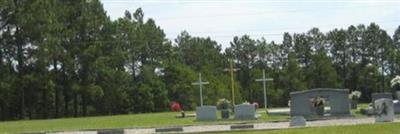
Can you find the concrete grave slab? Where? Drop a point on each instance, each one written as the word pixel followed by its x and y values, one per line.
pixel 140 131
pixel 297 121
pixel 75 132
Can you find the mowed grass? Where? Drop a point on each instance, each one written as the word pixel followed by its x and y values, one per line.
pixel 165 119
pixel 117 121
pixel 384 128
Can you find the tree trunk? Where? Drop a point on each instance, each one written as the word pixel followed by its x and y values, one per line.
pixel 84 105
pixel 383 77
pixel 65 91
pixel 45 107
pixel 344 69
pixel 75 105
pixel 56 89
pixel 20 61
pixel 1 59
pixel 2 115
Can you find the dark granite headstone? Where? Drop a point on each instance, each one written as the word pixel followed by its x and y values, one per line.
pixel 300 104
pixel 376 96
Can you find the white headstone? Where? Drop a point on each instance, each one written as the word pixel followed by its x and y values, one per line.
pixel 384 111
pixel 297 121
pixel 206 113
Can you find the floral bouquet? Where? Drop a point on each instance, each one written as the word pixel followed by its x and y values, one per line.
pixel 223 103
pixel 395 83
pixel 355 95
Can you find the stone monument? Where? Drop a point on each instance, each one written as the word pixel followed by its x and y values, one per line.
pixel 376 96
pixel 245 112
pixel 206 113
pixel 337 99
pixel 384 111
pixel 396 105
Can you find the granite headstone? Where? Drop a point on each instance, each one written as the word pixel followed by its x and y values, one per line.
pixel 338 100
pixel 376 96
pixel 396 105
pixel 384 111
pixel 206 113
pixel 245 112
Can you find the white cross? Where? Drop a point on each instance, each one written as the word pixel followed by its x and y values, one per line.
pixel 264 80
pixel 200 83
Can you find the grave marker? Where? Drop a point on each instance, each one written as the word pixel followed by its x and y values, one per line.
pixel 200 83
pixel 231 70
pixel 264 80
pixel 384 111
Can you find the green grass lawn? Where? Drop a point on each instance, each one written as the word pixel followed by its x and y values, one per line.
pixel 385 128
pixel 164 119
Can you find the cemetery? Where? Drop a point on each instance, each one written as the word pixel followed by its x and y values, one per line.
pixel 310 108
pixel 328 107
pixel 199 66
pixel 314 107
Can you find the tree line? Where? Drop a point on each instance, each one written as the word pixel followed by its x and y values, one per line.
pixel 67 58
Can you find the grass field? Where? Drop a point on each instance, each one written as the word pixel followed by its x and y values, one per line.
pixel 386 128
pixel 164 119
pixel 118 121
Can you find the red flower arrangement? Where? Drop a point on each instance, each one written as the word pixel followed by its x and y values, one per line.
pixel 175 106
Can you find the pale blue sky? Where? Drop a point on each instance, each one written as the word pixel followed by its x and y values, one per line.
pixel 223 19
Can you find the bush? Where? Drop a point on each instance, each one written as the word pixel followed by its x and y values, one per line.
pixel 223 103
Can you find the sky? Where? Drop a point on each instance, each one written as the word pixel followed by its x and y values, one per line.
pixel 221 20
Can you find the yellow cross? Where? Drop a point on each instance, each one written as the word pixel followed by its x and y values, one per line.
pixel 231 70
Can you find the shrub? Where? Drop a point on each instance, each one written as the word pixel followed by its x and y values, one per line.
pixel 223 103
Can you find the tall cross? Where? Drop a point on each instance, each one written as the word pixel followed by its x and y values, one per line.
pixel 231 70
pixel 200 83
pixel 264 80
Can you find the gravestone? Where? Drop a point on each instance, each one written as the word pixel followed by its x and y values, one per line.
pixel 396 105
pixel 337 99
pixel 376 96
pixel 297 121
pixel 384 111
pixel 206 113
pixel 245 112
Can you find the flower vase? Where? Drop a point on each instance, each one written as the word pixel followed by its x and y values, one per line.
pixel 225 113
pixel 353 104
